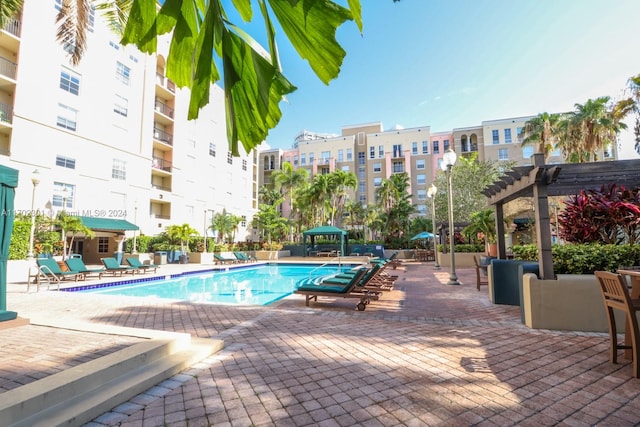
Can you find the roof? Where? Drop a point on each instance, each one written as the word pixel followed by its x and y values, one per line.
pixel 325 230
pixel 108 224
pixel 8 177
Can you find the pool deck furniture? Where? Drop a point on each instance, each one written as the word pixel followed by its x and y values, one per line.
pixel 225 259
pixel 50 268
pixel 616 297
pixel 76 264
pixel 113 267
pixel 349 289
pixel 136 263
pixel 482 278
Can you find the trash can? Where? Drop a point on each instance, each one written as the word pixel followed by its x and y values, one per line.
pixel 160 257
pixel 183 259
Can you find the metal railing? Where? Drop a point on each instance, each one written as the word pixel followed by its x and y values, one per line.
pixel 163 108
pixel 162 136
pixel 8 68
pixel 162 164
pixel 6 113
pixel 13 26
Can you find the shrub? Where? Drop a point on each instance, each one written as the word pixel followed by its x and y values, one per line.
pixel 19 245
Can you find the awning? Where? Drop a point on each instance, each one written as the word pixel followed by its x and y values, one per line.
pixel 107 224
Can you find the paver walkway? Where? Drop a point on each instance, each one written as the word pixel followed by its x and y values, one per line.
pixel 426 354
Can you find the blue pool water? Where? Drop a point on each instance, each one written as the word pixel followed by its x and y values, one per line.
pixel 256 285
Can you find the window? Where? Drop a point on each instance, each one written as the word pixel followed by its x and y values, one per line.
pixel 397 150
pixel 69 81
pixel 398 167
pixel 326 157
pixel 295 160
pixel 349 154
pixel 58 4
pixel 440 162
pixel 63 194
pixel 503 154
pixel 495 135
pixel 103 245
pixel 244 164
pixel 361 159
pixel 212 149
pixel 381 151
pixel 121 105
pixel 65 162
pixel 422 209
pixel 446 144
pixel 507 136
pixel 425 147
pixel 420 164
pixel 303 159
pixel 123 73
pixel 422 194
pixel 377 167
pixel 345 168
pixel 92 18
pixel 114 45
pixel 229 158
pixel 436 147
pixel 119 170
pixel 414 148
pixel 527 152
pixel 361 187
pixel 377 182
pixel 372 152
pixel 421 179
pixel 243 221
pixel 341 155
pixel 311 157
pixel 67 117
pixel 361 174
pixel 519 135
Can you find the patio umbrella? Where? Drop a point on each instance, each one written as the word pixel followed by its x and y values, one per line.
pixel 423 235
pixel 8 183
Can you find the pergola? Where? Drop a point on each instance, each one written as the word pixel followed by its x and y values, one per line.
pixel 540 181
pixel 326 230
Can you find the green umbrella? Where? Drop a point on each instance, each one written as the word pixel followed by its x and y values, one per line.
pixel 8 183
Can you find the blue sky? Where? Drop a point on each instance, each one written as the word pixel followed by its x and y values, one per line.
pixel 455 63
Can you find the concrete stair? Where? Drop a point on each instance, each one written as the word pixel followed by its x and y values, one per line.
pixel 84 392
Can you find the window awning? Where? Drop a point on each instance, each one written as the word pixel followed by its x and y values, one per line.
pixel 107 224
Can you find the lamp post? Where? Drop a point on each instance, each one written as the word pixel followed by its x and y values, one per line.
pixel 35 180
pixel 205 231
pixel 65 195
pixel 431 192
pixel 135 232
pixel 449 159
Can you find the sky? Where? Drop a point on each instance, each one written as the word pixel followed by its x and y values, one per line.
pixel 455 63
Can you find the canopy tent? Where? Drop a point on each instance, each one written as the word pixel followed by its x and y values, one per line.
pixel 423 235
pixel 326 230
pixel 8 184
pixel 107 224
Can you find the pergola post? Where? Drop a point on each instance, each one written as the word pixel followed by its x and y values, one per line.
pixel 543 223
pixel 502 249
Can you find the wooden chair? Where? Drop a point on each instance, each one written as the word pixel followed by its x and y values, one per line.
pixel 482 279
pixel 616 297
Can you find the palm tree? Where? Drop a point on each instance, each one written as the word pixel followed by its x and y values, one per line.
pixel 225 224
pixel 339 182
pixel 183 233
pixel 287 180
pixel 317 198
pixel 631 105
pixel 70 224
pixel 541 131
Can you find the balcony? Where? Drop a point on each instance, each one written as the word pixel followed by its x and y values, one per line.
pixel 162 136
pixel 163 113
pixel 161 164
pixel 165 86
pixel 11 30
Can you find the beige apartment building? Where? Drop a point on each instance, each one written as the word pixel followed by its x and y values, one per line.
pixel 110 137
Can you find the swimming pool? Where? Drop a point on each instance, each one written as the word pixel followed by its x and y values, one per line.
pixel 255 285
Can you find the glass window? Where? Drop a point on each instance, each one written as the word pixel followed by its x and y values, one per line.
pixel 123 73
pixel 349 154
pixel 346 168
pixel 361 187
pixel 503 154
pixel 527 152
pixel 121 105
pixel 119 170
pixel 212 149
pixel 422 209
pixel 436 147
pixel 103 245
pixel 495 135
pixel 361 159
pixel 440 162
pixel 372 152
pixel 341 155
pixel 425 147
pixel 326 157
pixel 422 194
pixel 397 150
pixel 229 158
pixel 414 148
pixel 446 144
pixel 69 81
pixel 507 136
pixel 377 167
pixel 398 167
pixel 63 193
pixel 303 159
pixel 420 164
pixel 67 117
pixel 244 164
pixel 381 151
pixel 377 182
pixel 421 179
pixel 295 160
pixel 519 134
pixel 65 162
pixel 311 157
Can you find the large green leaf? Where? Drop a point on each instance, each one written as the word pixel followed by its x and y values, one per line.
pixel 141 26
pixel 311 27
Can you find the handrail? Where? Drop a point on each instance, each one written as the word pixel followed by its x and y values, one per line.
pixel 42 269
pixel 339 258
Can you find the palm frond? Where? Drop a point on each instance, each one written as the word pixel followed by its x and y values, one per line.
pixel 73 24
pixel 115 13
pixel 9 9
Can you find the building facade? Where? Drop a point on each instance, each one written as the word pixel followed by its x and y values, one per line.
pixel 110 137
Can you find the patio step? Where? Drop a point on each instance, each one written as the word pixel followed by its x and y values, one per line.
pixel 80 394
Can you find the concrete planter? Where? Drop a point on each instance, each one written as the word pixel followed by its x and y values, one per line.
pixel 463 259
pixel 201 258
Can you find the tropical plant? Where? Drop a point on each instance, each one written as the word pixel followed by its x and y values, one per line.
pixel 631 105
pixel 269 222
pixel 395 200
pixel 339 182
pixel 225 224
pixel 484 222
pixel 287 180
pixel 183 233
pixel 71 224
pixel 541 131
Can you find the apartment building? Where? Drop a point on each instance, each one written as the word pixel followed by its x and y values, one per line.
pixel 374 154
pixel 110 137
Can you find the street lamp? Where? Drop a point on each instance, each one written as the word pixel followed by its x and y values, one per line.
pixel 431 192
pixel 205 231
pixel 449 159
pixel 135 232
pixel 65 194
pixel 35 180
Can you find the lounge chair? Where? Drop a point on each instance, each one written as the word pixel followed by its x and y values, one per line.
pixel 136 263
pixel 50 268
pixel 243 257
pixel 112 266
pixel 371 280
pixel 225 259
pixel 313 289
pixel 76 264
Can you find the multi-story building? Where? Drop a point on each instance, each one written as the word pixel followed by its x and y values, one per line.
pixel 374 154
pixel 110 137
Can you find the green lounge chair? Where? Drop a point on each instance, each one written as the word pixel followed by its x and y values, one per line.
pixel 76 264
pixel 49 267
pixel 243 257
pixel 312 290
pixel 112 266
pixel 136 263
pixel 225 260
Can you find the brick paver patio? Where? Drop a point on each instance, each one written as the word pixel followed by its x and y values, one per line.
pixel 425 354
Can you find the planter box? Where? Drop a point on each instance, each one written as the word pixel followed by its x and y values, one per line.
pixel 572 302
pixel 463 259
pixel 201 258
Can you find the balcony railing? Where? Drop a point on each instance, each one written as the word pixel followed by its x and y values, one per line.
pixel 6 113
pixel 165 82
pixel 8 68
pixel 160 216
pixel 161 164
pixel 13 26
pixel 161 187
pixel 163 108
pixel 163 136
